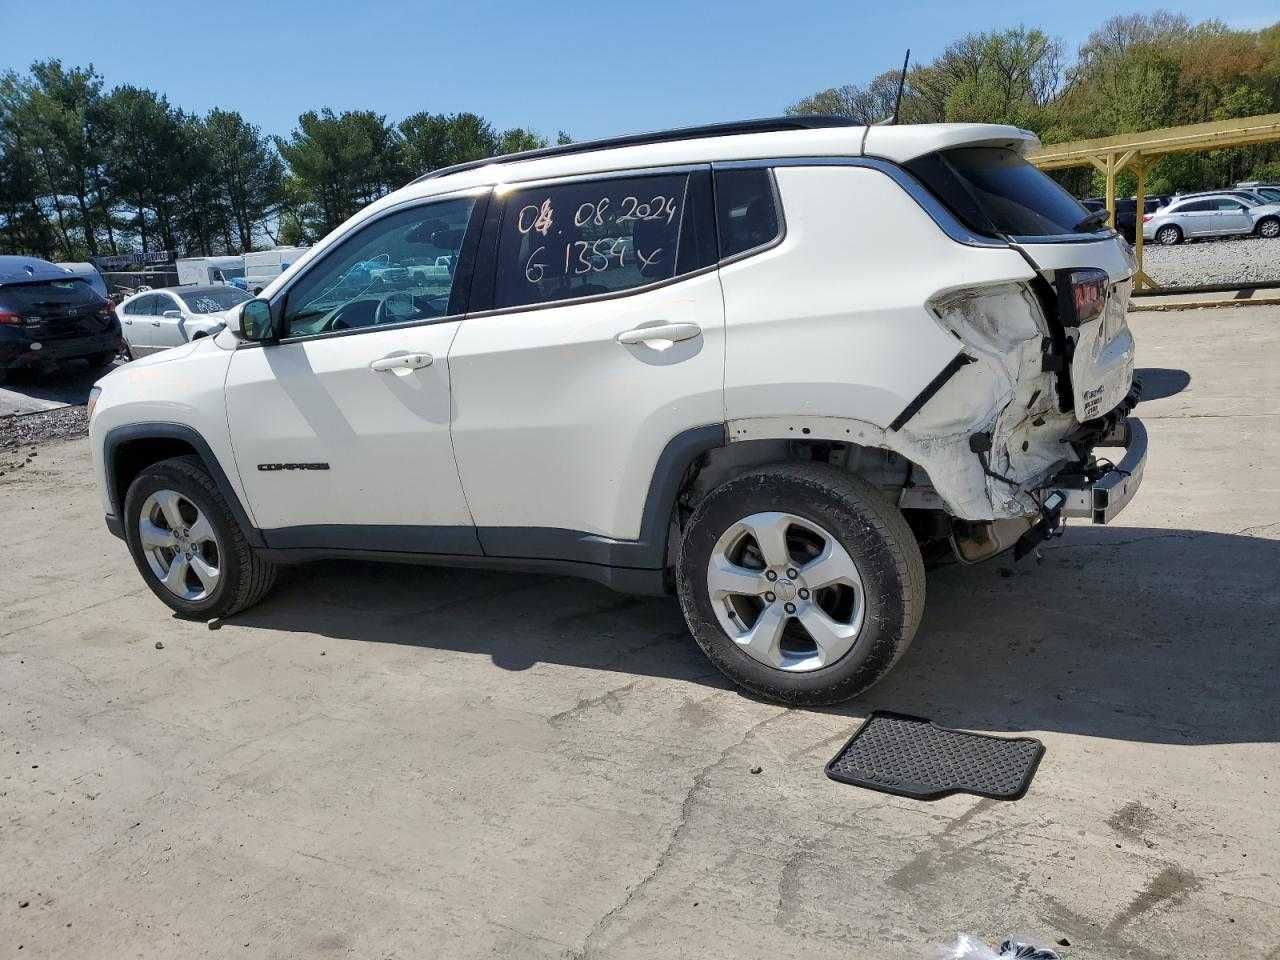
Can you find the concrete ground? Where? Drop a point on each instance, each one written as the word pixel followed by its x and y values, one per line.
pixel 413 762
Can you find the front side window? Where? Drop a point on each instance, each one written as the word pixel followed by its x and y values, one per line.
pixel 583 239
pixel 746 210
pixel 143 306
pixel 398 269
pixel 1229 206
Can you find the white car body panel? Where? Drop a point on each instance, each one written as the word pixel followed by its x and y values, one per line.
pixel 179 386
pixel 383 434
pixel 556 424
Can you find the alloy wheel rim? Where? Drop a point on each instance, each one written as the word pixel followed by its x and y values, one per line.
pixel 180 546
pixel 786 592
pixel 1168 235
pixel 1271 228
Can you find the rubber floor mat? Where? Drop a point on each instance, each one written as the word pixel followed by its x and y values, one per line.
pixel 914 757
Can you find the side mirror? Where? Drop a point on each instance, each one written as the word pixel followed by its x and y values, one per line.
pixel 255 321
pixel 173 314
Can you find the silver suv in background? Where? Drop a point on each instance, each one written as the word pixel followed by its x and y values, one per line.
pixel 1212 215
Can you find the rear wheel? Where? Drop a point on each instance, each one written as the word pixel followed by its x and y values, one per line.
pixel 187 545
pixel 800 583
pixel 1169 235
pixel 1268 227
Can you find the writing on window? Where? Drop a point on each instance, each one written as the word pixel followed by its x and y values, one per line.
pixel 589 238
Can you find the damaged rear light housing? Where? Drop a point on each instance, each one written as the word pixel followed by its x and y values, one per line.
pixel 1082 295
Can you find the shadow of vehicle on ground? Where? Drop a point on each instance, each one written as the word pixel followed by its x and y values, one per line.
pixel 66 383
pixel 1163 636
pixel 1161 382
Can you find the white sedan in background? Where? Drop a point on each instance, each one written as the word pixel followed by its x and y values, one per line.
pixel 155 320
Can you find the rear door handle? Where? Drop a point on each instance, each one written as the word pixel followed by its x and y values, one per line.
pixel 155 323
pixel 401 361
pixel 673 332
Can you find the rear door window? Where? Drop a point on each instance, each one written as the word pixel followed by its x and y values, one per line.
pixel 746 211
pixel 592 237
pixel 995 192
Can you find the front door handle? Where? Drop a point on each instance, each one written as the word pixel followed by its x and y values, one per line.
pixel 671 332
pixel 401 361
pixel 155 323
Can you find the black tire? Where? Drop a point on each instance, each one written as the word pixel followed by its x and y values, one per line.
pixel 246 577
pixel 1268 227
pixel 873 532
pixel 1169 235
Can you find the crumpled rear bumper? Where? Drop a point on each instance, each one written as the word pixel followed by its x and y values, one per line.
pixel 1100 499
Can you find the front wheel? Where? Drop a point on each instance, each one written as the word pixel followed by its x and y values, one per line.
pixel 186 544
pixel 1268 227
pixel 801 583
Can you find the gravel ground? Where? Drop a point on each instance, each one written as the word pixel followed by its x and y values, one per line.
pixel 21 435
pixel 1243 260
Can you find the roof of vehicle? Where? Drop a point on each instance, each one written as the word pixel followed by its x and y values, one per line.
pixel 16 269
pixel 780 137
pixel 188 288
pixel 746 140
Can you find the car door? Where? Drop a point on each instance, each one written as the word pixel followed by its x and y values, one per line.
pixel 596 342
pixel 1196 218
pixel 135 323
pixel 1233 217
pixel 166 324
pixel 341 429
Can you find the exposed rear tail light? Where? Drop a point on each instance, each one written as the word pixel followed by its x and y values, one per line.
pixel 1147 216
pixel 12 319
pixel 1082 295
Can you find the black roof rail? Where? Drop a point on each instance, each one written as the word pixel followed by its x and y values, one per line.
pixel 812 121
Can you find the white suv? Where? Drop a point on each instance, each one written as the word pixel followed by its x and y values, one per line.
pixel 772 367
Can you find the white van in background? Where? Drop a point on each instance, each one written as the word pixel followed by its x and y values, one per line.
pixel 263 266
pixel 204 271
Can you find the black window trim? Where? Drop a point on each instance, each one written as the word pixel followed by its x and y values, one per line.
pixel 463 273
pixel 487 259
pixel 777 208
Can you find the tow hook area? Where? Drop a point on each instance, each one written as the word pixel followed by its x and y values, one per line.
pixel 1101 490
pixel 974 541
pixel 1049 524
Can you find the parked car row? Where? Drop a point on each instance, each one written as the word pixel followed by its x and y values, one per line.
pixel 1247 209
pixel 51 313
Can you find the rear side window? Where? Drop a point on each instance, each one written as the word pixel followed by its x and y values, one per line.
pixel 746 210
pixel 995 191
pixel 33 297
pixel 587 238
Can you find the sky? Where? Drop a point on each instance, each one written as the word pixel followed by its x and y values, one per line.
pixel 593 68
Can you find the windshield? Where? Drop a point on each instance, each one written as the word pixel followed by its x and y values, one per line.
pixel 72 292
pixel 211 301
pixel 995 191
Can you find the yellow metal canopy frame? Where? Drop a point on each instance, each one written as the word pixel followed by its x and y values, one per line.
pixel 1138 151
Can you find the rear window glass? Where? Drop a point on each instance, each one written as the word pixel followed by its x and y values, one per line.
pixel 211 301
pixel 72 292
pixel 995 191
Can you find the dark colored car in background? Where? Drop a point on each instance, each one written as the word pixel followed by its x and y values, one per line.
pixel 47 315
pixel 1127 211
